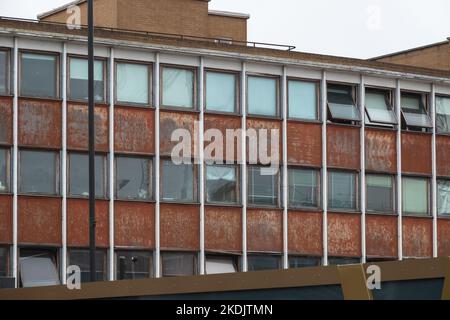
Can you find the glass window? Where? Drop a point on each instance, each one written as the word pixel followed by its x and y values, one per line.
pixel 263 262
pixel 415 196
pixel 38 268
pixel 296 262
pixel 133 178
pixel 4 170
pixel 220 265
pixel 133 265
pixel 178 182
pixel 178 87
pixel 380 193
pixel 78 79
pixel 81 258
pixel 414 110
pixel 221 184
pixel 38 172
pixel 341 103
pixel 38 75
pixel 4 72
pixel 262 96
pixel 379 108
pixel 339 261
pixel 178 264
pixel 302 100
pixel 221 91
pixel 443 115
pixel 4 262
pixel 303 188
pixel 79 175
pixel 444 197
pixel 263 189
pixel 342 190
pixel 132 83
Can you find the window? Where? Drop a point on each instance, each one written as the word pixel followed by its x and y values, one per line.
pixel 133 178
pixel 303 188
pixel 220 265
pixel 341 103
pixel 4 262
pixel 340 261
pixel 178 264
pixel 263 262
pixel 38 75
pixel 444 198
pixel 132 265
pixel 443 115
pixel 263 187
pixel 81 258
pixel 79 175
pixel 133 83
pixel 4 170
pixel 262 96
pixel 78 79
pixel 221 92
pixel 178 87
pixel 380 193
pixel 342 190
pixel 415 196
pixel 38 268
pixel 178 182
pixel 379 107
pixel 414 110
pixel 296 262
pixel 221 184
pixel 303 100
pixel 4 72
pixel 38 172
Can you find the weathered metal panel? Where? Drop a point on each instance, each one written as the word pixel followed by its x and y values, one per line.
pixel 304 142
pixel 6 223
pixel 40 123
pixel 381 236
pixel 443 155
pixel 134 224
pixel 416 153
pixel 171 121
pixel 134 130
pixel 344 234
pixel 180 227
pixel 305 233
pixel 343 147
pixel 264 230
pixel 223 229
pixel 6 121
pixel 269 125
pixel 39 221
pixel 417 237
pixel 444 237
pixel 78 223
pixel 78 130
pixel 381 150
pixel 223 123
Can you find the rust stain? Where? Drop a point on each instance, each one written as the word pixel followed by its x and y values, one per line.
pixel 6 121
pixel 417 237
pixel 6 223
pixel 264 230
pixel 444 238
pixel 223 229
pixel 224 123
pixel 261 124
pixel 381 236
pixel 343 147
pixel 304 143
pixel 381 150
pixel 344 234
pixel 305 233
pixel 171 121
pixel 443 155
pixel 416 153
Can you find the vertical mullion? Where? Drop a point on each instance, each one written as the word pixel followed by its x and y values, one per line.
pixel 434 193
pixel 324 167
pixel 64 166
pixel 244 164
pixel 202 167
pixel 284 90
pixel 111 165
pixel 157 163
pixel 15 158
pixel 362 104
pixel 399 171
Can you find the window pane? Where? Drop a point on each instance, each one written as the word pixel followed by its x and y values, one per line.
pixel 38 269
pixel 78 86
pixel 262 189
pixel 4 183
pixel 342 190
pixel 220 265
pixel 260 262
pixel 3 72
pixel 178 182
pixel 178 264
pixel 304 262
pixel 302 100
pixel 262 96
pixel 444 197
pixel 303 189
pixel 380 193
pixel 38 172
pixel 79 175
pixel 443 115
pixel 341 104
pixel 81 258
pixel 132 83
pixel 334 261
pixel 415 196
pixel 38 75
pixel 133 178
pixel 379 108
pixel 134 265
pixel 4 261
pixel 178 88
pixel 414 111
pixel 221 185
pixel 221 92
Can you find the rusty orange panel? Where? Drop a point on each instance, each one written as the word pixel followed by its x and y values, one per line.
pixel 305 233
pixel 171 121
pixel 40 123
pixel 382 236
pixel 134 130
pixel 417 237
pixel 6 121
pixel 180 227
pixel 134 224
pixel 443 155
pixel 224 123
pixel 304 143
pixel 444 238
pixel 78 131
pixel 39 221
pixel 223 229
pixel 416 153
pixel 269 125
pixel 6 223
pixel 344 234
pixel 264 230
pixel 343 147
pixel 78 223
pixel 381 150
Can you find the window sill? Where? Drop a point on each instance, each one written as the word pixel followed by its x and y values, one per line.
pixel 306 209
pixel 133 106
pixel 6 95
pixel 40 98
pixel 86 198
pixel 135 200
pixel 388 214
pixel 415 215
pixel 305 121
pixel 263 117
pixel 221 113
pixel 39 195
pixel 337 124
pixel 6 193
pixel 224 205
pixel 85 102
pixel 180 203
pixel 349 211
pixel 255 206
pixel 193 110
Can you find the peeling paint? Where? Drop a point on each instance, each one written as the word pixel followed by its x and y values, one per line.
pixel 6 214
pixel 443 155
pixel 223 229
pixel 264 230
pixel 381 150
pixel 381 236
pixel 305 233
pixel 6 122
pixel 416 153
pixel 180 227
pixel 304 144
pixel 344 234
pixel 417 237
pixel 343 147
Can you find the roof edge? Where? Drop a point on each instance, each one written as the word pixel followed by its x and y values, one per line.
pixel 59 9
pixel 229 14
pixel 410 50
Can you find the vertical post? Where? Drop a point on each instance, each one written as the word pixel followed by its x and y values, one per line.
pixel 157 169
pixel 64 166
pixel 15 158
pixel 398 106
pixel 111 164
pixel 285 189
pixel 434 191
pixel 323 91
pixel 362 106
pixel 202 167
pixel 244 165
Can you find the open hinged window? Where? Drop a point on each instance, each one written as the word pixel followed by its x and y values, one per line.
pixel 220 264
pixel 341 103
pixel 379 109
pixel 414 111
pixel 38 268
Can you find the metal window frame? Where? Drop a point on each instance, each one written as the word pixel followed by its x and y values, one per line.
pixel 98 250
pixel 237 185
pixel 424 97
pixel 388 96
pixel 447 214
pixel 356 174
pixel 318 187
pixel 429 213
pixel 307 256
pixel 8 259
pixel 278 79
pixel 393 191
pixel 277 188
pixel 52 251
pixel 279 257
pixel 234 259
pixel 237 105
pixel 8 169
pixel 438 132
pixel 7 70
pixel 195 94
pixel 195 262
pixel 117 252
pixel 354 96
pixel 287 93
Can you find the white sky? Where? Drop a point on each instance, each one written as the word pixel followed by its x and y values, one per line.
pixel 353 28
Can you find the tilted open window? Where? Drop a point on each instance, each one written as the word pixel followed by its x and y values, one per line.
pixel 220 264
pixel 341 103
pixel 38 268
pixel 414 111
pixel 379 108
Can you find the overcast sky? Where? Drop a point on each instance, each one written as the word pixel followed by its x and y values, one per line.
pixel 353 28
